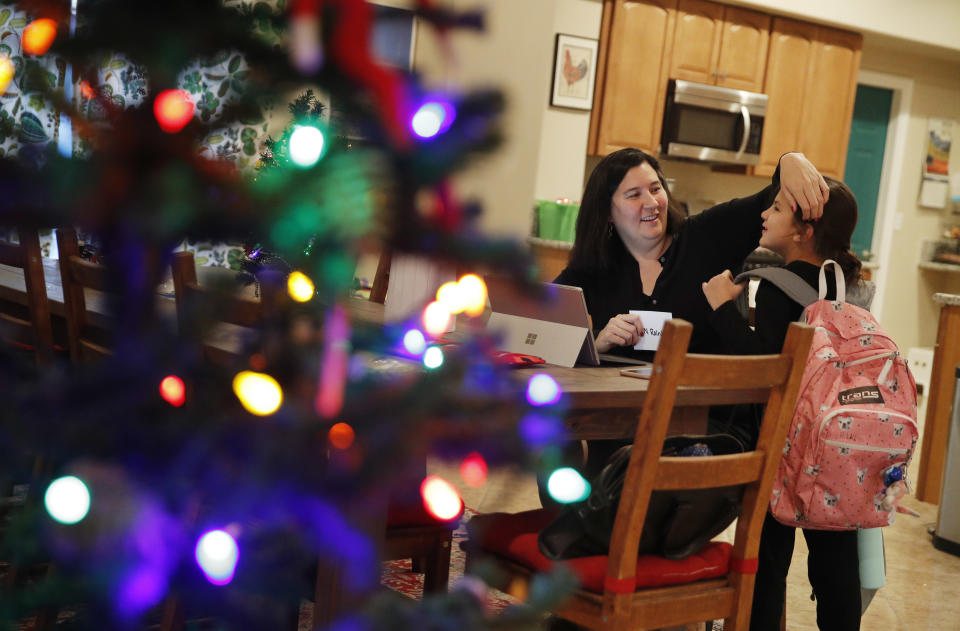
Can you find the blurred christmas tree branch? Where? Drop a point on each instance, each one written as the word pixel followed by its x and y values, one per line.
pixel 161 473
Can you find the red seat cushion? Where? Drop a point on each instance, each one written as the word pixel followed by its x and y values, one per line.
pixel 514 536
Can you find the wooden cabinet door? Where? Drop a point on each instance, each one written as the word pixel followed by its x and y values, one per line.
pixel 743 49
pixel 831 88
pixel 791 48
pixel 696 47
pixel 628 111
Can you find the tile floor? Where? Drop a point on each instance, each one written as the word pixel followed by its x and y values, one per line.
pixel 923 584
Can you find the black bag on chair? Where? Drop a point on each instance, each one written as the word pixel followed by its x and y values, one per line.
pixel 678 523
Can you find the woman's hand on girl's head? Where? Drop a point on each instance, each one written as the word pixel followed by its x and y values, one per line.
pixel 624 329
pixel 803 185
pixel 721 289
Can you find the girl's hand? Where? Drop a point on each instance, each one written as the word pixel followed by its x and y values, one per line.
pixel 721 289
pixel 803 185
pixel 624 329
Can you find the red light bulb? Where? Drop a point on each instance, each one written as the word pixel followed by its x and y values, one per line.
pixel 173 109
pixel 173 391
pixel 473 470
pixel 341 435
pixel 441 499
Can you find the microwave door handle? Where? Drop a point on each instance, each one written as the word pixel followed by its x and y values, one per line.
pixel 746 130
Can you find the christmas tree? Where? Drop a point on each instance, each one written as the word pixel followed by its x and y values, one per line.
pixel 154 474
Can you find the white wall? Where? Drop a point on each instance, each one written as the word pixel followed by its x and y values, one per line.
pixel 909 313
pixel 930 22
pixel 514 53
pixel 564 131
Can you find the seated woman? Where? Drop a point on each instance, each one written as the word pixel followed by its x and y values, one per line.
pixel 635 251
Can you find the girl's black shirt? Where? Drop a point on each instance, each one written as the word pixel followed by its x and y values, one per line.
pixel 773 314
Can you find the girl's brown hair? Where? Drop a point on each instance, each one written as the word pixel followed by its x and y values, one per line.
pixel 831 234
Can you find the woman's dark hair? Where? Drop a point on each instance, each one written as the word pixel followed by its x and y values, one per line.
pixel 594 245
pixel 831 234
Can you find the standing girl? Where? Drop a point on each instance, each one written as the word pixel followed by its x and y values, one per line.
pixel 833 565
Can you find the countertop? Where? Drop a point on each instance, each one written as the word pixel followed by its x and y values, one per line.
pixel 947 299
pixel 550 243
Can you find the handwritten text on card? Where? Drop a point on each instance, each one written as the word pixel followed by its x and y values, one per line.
pixel 653 322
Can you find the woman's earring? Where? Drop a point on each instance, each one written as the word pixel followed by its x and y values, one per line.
pixel 610 230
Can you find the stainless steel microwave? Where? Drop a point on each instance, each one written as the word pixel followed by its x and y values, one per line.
pixel 714 124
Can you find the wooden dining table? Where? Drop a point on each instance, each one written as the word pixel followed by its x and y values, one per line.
pixel 603 404
pixel 600 403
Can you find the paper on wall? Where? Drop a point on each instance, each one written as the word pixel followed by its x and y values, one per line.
pixel 936 169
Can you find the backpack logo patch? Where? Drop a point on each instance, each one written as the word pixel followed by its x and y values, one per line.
pixel 866 394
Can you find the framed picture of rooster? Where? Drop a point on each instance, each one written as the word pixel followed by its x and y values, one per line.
pixel 574 71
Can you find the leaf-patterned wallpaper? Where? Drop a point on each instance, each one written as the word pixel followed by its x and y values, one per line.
pixel 27 120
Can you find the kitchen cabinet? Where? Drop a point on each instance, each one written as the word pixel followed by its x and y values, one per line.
pixel 720 45
pixel 811 83
pixel 635 39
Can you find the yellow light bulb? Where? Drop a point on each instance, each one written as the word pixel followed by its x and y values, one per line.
pixel 38 36
pixel 300 287
pixel 436 319
pixel 7 70
pixel 259 393
pixel 451 297
pixel 473 292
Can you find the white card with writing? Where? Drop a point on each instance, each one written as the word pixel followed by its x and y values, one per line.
pixel 653 322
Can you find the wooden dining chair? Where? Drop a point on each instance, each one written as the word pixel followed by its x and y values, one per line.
pixel 381 278
pixel 28 327
pixel 88 333
pixel 222 305
pixel 410 532
pixel 622 590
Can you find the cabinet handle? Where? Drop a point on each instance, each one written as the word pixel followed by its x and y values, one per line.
pixel 746 129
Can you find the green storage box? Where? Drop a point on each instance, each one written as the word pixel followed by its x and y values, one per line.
pixel 556 221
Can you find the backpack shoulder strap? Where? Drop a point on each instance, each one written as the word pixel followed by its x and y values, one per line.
pixel 789 283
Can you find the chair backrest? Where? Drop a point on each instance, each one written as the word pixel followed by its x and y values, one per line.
pixel 381 279
pixel 86 336
pixel 770 379
pixel 220 306
pixel 33 326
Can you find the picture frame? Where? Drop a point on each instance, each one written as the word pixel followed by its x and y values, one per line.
pixel 574 72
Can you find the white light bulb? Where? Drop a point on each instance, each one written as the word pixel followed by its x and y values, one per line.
pixel 306 145
pixel 67 499
pixel 433 357
pixel 566 485
pixel 217 554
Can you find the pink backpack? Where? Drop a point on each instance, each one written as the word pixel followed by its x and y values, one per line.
pixel 855 420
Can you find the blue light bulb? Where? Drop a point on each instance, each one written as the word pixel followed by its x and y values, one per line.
pixel 432 118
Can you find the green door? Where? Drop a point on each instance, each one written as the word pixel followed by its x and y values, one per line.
pixel 868 133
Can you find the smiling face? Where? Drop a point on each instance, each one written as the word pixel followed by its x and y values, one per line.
pixel 780 231
pixel 638 208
